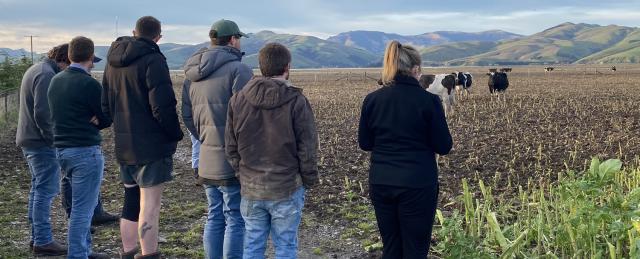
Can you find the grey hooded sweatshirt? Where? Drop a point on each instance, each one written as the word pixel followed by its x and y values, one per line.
pixel 213 75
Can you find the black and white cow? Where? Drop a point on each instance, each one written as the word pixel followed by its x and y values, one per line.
pixel 443 86
pixel 548 69
pixel 464 83
pixel 506 69
pixel 498 82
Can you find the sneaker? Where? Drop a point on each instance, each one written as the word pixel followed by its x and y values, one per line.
pixel 104 218
pixel 52 249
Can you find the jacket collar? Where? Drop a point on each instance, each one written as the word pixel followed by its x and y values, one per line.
pixel 52 64
pixel 405 80
pixel 77 69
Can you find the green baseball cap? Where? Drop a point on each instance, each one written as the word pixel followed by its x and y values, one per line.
pixel 227 28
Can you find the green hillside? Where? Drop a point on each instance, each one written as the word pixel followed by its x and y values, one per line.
pixel 565 43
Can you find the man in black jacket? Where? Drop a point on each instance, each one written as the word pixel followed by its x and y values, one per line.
pixel 139 97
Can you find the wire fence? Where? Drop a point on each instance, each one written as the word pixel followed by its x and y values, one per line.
pixel 9 105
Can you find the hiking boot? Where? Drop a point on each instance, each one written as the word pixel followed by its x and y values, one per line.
pixel 98 256
pixel 155 255
pixel 104 218
pixel 128 255
pixel 52 249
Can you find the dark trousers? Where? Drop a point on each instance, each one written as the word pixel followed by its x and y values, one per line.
pixel 405 219
pixel 66 197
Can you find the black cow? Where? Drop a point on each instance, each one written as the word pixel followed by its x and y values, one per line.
pixel 498 82
pixel 506 69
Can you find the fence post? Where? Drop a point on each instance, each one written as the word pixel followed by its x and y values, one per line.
pixel 6 109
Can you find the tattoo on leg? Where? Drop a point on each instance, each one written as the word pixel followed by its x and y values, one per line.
pixel 145 227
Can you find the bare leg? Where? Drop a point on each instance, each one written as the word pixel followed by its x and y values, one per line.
pixel 148 227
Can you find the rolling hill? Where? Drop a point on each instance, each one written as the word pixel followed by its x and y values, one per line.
pixel 375 41
pixel 563 44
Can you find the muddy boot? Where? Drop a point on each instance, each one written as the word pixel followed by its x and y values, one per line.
pixel 128 255
pixel 155 255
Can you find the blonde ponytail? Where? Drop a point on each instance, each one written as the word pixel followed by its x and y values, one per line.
pixel 398 59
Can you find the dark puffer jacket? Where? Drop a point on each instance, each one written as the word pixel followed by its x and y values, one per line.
pixel 138 96
pixel 271 139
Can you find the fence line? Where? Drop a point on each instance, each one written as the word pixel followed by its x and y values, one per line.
pixel 9 104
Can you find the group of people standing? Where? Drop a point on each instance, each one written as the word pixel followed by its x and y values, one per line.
pixel 255 144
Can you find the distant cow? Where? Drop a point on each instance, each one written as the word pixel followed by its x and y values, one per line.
pixel 464 83
pixel 548 69
pixel 506 69
pixel 498 82
pixel 441 85
pixel 493 70
pixel 613 68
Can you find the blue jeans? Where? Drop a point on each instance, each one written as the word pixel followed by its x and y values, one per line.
pixel 280 218
pixel 195 151
pixel 45 174
pixel 65 186
pixel 84 166
pixel 224 230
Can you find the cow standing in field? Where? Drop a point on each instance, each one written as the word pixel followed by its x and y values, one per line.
pixel 506 69
pixel 443 86
pixel 463 84
pixel 548 69
pixel 614 69
pixel 498 82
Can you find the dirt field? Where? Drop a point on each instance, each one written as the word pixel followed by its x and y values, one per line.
pixel 549 122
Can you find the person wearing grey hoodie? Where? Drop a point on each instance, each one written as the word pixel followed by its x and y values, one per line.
pixel 213 75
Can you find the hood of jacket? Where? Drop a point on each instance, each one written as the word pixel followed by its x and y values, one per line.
pixel 126 50
pixel 207 60
pixel 268 93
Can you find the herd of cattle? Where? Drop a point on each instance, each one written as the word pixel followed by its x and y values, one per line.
pixel 447 86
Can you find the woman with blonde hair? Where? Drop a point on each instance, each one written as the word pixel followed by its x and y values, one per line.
pixel 404 128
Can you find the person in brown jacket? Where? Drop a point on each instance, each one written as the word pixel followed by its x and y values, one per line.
pixel 272 143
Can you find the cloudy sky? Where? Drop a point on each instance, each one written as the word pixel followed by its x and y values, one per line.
pixel 184 21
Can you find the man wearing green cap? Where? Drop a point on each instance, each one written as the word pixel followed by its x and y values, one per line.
pixel 213 75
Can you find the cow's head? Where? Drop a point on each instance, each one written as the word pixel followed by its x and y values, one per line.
pixel 449 82
pixel 426 80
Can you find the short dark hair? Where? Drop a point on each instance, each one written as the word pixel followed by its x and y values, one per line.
pixel 80 49
pixel 60 53
pixel 273 59
pixel 220 41
pixel 148 27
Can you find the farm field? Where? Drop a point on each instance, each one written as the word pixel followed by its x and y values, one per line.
pixel 503 151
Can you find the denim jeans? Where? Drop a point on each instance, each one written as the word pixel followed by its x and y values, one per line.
pixel 195 151
pixel 280 218
pixel 84 166
pixel 65 186
pixel 45 174
pixel 224 230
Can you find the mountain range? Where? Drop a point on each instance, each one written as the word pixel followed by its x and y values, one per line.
pixel 562 44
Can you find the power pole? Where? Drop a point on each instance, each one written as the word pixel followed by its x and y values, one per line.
pixel 31 39
pixel 116 26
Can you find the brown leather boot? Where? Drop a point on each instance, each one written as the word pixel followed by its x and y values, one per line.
pixel 52 249
pixel 155 255
pixel 128 255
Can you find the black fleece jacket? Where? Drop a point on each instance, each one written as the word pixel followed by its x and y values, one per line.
pixel 404 127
